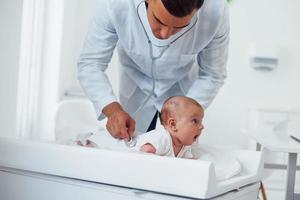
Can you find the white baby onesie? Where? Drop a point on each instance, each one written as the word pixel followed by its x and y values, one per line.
pixel 160 139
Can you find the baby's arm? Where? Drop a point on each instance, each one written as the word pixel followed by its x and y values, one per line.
pixel 155 142
pixel 148 148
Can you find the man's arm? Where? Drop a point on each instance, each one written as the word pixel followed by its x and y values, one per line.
pixel 212 65
pixel 96 54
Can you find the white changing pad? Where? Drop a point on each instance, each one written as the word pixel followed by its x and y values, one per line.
pixel 225 161
pixel 184 177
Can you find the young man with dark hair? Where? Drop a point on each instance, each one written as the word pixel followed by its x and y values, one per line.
pixel 165 48
pixel 182 8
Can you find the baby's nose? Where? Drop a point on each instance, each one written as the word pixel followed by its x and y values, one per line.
pixel 201 127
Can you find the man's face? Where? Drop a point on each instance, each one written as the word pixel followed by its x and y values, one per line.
pixel 162 23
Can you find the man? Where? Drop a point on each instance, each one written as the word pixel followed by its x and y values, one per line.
pixel 165 48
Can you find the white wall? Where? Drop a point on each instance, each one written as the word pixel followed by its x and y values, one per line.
pixel 10 23
pixel 266 23
pixel 77 15
pixel 50 69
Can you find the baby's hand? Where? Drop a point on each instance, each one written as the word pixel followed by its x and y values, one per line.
pixel 148 148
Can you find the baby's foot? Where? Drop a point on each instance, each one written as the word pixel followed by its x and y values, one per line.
pixel 78 142
pixel 87 143
pixel 148 148
pixel 90 144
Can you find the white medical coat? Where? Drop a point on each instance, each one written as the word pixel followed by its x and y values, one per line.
pixel 194 65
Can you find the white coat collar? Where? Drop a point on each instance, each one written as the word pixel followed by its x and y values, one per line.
pixel 142 14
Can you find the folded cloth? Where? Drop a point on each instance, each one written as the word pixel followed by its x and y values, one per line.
pixel 225 162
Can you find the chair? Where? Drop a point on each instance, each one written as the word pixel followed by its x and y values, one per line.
pixel 271 128
pixel 73 117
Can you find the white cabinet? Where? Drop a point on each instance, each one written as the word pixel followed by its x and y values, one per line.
pixel 22 185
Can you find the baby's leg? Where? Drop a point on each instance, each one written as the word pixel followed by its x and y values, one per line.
pixel 148 148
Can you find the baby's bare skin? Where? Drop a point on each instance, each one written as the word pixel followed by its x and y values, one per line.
pixel 148 148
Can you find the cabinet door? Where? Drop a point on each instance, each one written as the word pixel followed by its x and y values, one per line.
pixel 16 185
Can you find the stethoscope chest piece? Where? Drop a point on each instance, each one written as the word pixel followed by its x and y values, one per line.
pixel 131 143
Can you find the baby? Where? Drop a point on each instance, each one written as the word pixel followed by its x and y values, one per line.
pixel 181 118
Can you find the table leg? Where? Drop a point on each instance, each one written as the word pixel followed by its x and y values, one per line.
pixel 291 174
pixel 258 146
pixel 296 196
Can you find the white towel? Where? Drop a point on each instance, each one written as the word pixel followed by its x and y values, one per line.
pixel 225 161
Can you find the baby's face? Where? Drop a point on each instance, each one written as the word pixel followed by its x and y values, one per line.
pixel 189 124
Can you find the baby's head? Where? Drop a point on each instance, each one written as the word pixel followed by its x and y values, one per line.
pixel 182 117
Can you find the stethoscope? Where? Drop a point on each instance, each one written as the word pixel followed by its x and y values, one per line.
pixel 132 142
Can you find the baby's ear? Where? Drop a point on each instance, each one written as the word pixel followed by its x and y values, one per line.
pixel 172 124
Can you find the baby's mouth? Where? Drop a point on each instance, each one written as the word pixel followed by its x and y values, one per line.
pixel 195 138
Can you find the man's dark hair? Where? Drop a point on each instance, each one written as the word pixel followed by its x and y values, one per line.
pixel 182 8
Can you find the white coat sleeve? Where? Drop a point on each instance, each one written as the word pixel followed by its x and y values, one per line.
pixel 95 56
pixel 212 65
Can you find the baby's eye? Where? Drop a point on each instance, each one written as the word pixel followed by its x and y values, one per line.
pixel 195 121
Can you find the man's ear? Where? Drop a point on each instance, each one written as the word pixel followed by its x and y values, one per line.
pixel 172 124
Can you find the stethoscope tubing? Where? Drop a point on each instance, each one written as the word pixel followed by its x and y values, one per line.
pixel 132 142
pixel 154 58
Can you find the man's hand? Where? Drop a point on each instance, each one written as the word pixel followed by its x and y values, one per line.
pixel 119 123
